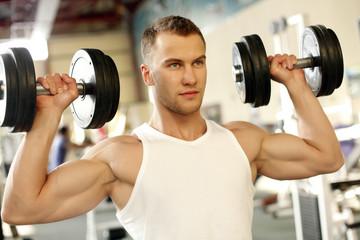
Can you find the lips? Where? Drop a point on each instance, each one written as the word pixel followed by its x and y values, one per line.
pixel 189 94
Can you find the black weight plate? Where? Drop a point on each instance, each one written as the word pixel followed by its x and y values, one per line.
pixel 251 49
pixel 20 91
pixel 4 77
pixel 340 61
pixel 12 91
pixel 328 64
pixel 26 89
pixel 244 78
pixel 115 87
pixel 98 118
pixel 261 69
pixel 264 70
pixel 4 85
pixel 9 103
pixel 112 89
pixel 331 81
pixel 30 110
pixel 104 104
pixel 85 69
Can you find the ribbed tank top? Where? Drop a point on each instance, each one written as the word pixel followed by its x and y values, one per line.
pixel 199 189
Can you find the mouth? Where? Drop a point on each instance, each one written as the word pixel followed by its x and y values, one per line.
pixel 189 94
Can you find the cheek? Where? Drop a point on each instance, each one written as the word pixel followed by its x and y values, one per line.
pixel 202 75
pixel 165 80
pixel 163 88
pixel 159 84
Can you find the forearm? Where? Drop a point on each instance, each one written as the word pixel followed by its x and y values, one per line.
pixel 28 171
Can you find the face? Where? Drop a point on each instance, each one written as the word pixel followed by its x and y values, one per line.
pixel 177 73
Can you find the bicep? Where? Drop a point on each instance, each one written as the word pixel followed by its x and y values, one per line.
pixel 73 189
pixel 284 156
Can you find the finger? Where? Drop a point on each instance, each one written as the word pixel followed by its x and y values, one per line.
pixel 293 59
pixel 52 85
pixel 70 82
pixel 278 59
pixel 44 83
pixel 65 87
pixel 290 61
pixel 286 63
pixel 270 58
pixel 58 82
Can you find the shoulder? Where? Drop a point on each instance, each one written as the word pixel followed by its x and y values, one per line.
pixel 241 127
pixel 119 144
pixel 122 154
pixel 249 136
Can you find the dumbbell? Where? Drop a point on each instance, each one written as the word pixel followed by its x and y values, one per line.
pixel 321 59
pixel 96 77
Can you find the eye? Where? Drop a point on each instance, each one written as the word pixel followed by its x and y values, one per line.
pixel 174 65
pixel 198 63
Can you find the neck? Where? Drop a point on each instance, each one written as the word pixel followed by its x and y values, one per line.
pixel 186 127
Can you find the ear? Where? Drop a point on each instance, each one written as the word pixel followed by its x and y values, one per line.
pixel 146 75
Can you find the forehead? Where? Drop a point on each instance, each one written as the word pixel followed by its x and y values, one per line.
pixel 177 46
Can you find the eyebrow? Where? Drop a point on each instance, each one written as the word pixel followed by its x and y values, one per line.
pixel 179 60
pixel 201 57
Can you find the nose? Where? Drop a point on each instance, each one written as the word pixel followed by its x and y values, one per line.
pixel 189 77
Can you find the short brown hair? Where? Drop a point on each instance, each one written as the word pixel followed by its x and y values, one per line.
pixel 170 24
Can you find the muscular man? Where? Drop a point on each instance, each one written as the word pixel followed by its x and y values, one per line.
pixel 179 176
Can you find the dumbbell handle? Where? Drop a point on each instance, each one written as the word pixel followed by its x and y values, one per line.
pixel 308 62
pixel 40 90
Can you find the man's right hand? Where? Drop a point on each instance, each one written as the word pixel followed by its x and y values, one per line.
pixel 63 91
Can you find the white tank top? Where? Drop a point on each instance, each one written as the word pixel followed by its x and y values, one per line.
pixel 185 190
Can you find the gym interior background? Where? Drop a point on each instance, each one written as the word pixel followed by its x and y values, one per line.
pixel 115 26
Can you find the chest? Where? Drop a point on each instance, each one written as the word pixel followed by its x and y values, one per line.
pixel 180 187
pixel 203 170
